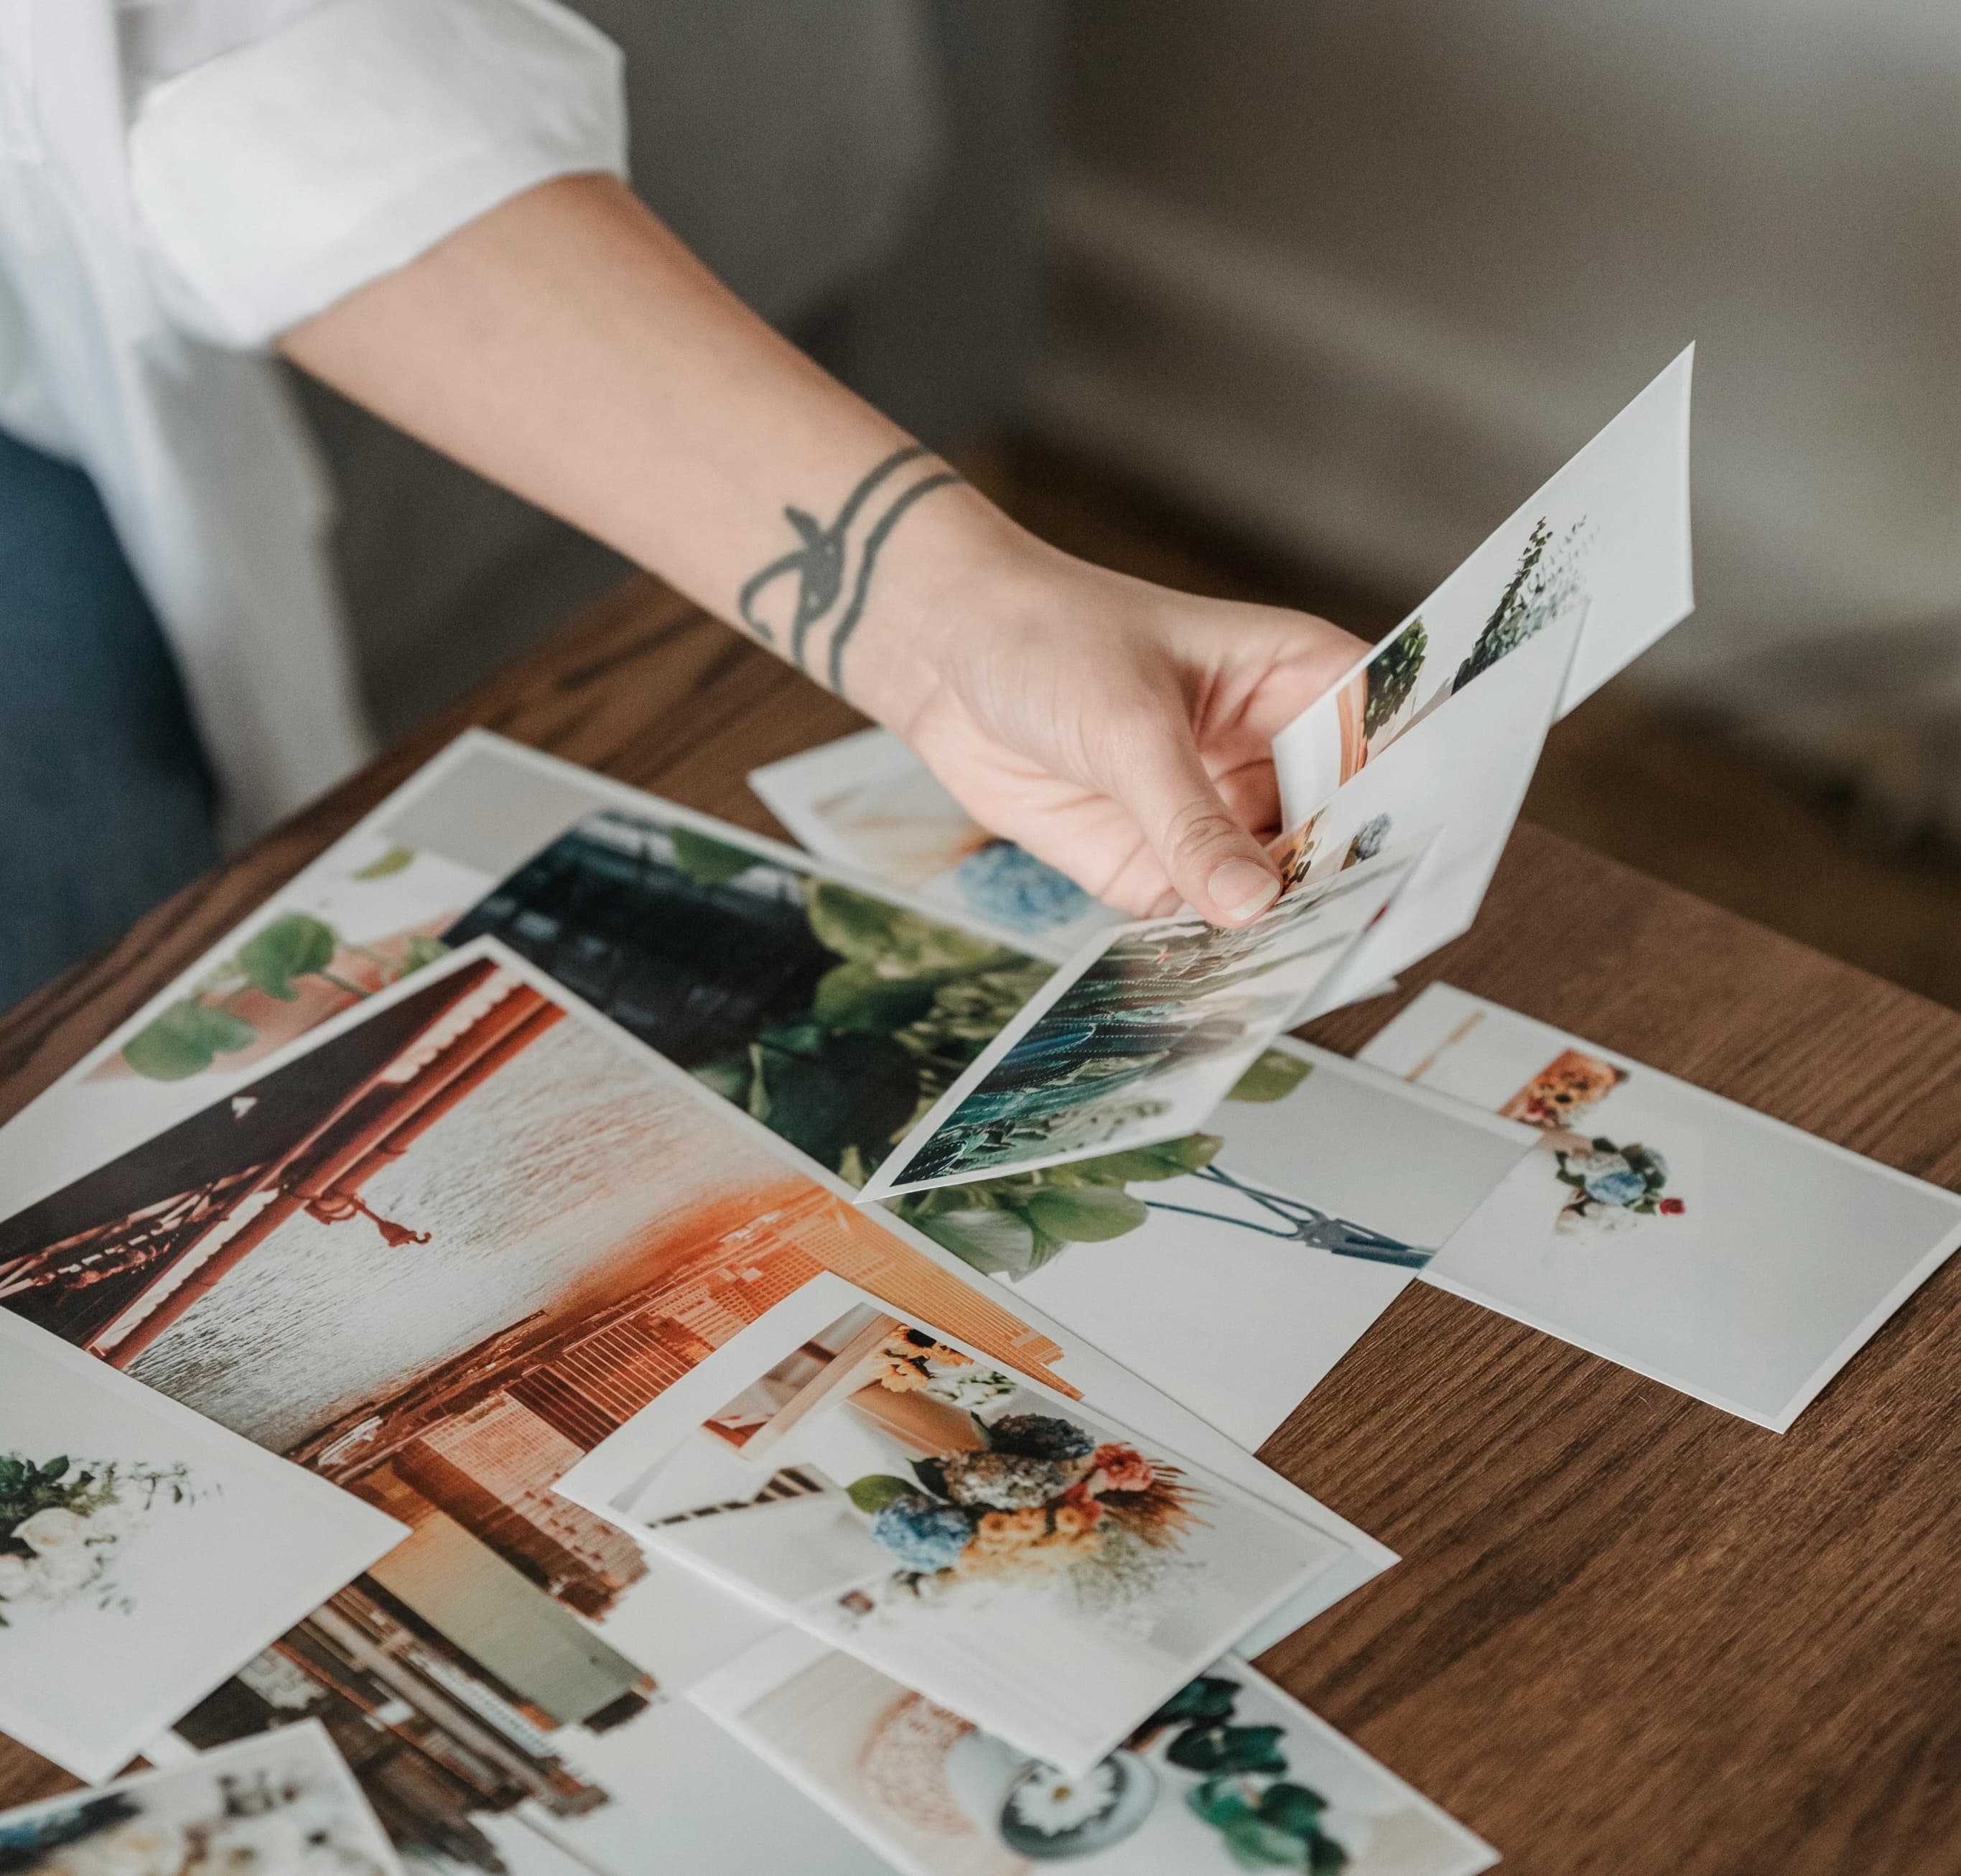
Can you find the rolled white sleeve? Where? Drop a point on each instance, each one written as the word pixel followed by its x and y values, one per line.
pixel 272 180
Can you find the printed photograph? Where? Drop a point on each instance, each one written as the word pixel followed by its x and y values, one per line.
pixel 472 1769
pixel 144 1554
pixel 1457 780
pixel 467 1177
pixel 1705 1245
pixel 1000 1549
pixel 369 913
pixel 285 1805
pixel 1138 1040
pixel 1229 1774
pixel 1236 1266
pixel 348 933
pixel 1605 540
pixel 835 1017
pixel 867 800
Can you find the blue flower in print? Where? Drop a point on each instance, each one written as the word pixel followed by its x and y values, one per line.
pixel 920 1533
pixel 1611 1180
pixel 1012 888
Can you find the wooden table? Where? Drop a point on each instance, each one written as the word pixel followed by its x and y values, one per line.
pixel 1630 1633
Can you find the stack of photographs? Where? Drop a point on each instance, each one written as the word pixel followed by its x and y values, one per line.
pixel 581 1341
pixel 435 1254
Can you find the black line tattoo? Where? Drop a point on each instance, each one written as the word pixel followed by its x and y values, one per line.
pixel 834 670
pixel 818 563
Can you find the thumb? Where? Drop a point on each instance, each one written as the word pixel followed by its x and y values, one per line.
pixel 1219 867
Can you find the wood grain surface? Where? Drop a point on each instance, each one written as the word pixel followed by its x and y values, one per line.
pixel 1630 1633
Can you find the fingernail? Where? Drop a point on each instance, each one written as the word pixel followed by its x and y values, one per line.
pixel 1239 888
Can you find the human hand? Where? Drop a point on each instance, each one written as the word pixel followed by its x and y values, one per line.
pixel 569 346
pixel 1118 730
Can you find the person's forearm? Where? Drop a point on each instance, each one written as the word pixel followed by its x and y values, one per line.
pixel 566 346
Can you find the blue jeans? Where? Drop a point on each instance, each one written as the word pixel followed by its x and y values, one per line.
pixel 105 800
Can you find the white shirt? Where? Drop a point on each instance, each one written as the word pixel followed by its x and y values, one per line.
pixel 181 181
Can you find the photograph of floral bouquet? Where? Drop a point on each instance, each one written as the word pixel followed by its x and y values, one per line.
pixel 1003 1550
pixel 1026 1498
pixel 1608 1187
pixel 1228 1773
pixel 63 1520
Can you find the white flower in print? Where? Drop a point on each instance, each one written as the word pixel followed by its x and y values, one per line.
pixel 52 1530
pixel 1050 1802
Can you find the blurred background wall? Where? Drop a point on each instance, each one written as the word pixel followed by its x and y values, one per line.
pixel 1355 273
pixel 1295 299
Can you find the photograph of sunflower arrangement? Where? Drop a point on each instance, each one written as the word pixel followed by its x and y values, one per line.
pixel 999 1549
pixel 1229 1773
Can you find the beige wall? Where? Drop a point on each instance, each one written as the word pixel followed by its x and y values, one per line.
pixel 1357 273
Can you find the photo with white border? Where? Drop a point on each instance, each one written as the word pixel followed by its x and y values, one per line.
pixel 145 1552
pixel 1684 1236
pixel 1001 1549
pixel 1230 1773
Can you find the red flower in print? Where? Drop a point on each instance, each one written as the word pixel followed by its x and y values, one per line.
pixel 1670 1208
pixel 1084 1501
pixel 1123 1468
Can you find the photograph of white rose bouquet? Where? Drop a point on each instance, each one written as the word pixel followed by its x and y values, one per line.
pixel 144 1553
pixel 1010 1553
pixel 63 1521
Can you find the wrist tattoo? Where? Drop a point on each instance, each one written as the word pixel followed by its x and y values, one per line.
pixel 829 588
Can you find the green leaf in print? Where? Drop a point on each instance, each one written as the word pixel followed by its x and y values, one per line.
pixel 1273 1076
pixel 421 949
pixel 1208 1700
pixel 1000 1242
pixel 1392 675
pixel 872 1494
pixel 185 1039
pixel 1084 1215
pixel 1170 1160
pixel 1253 1748
pixel 707 861
pixel 1293 1806
pixel 1255 1844
pixel 295 946
pixel 905 944
pixel 825 1090
pixel 1219 1801
pixel 393 861
pixel 856 996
